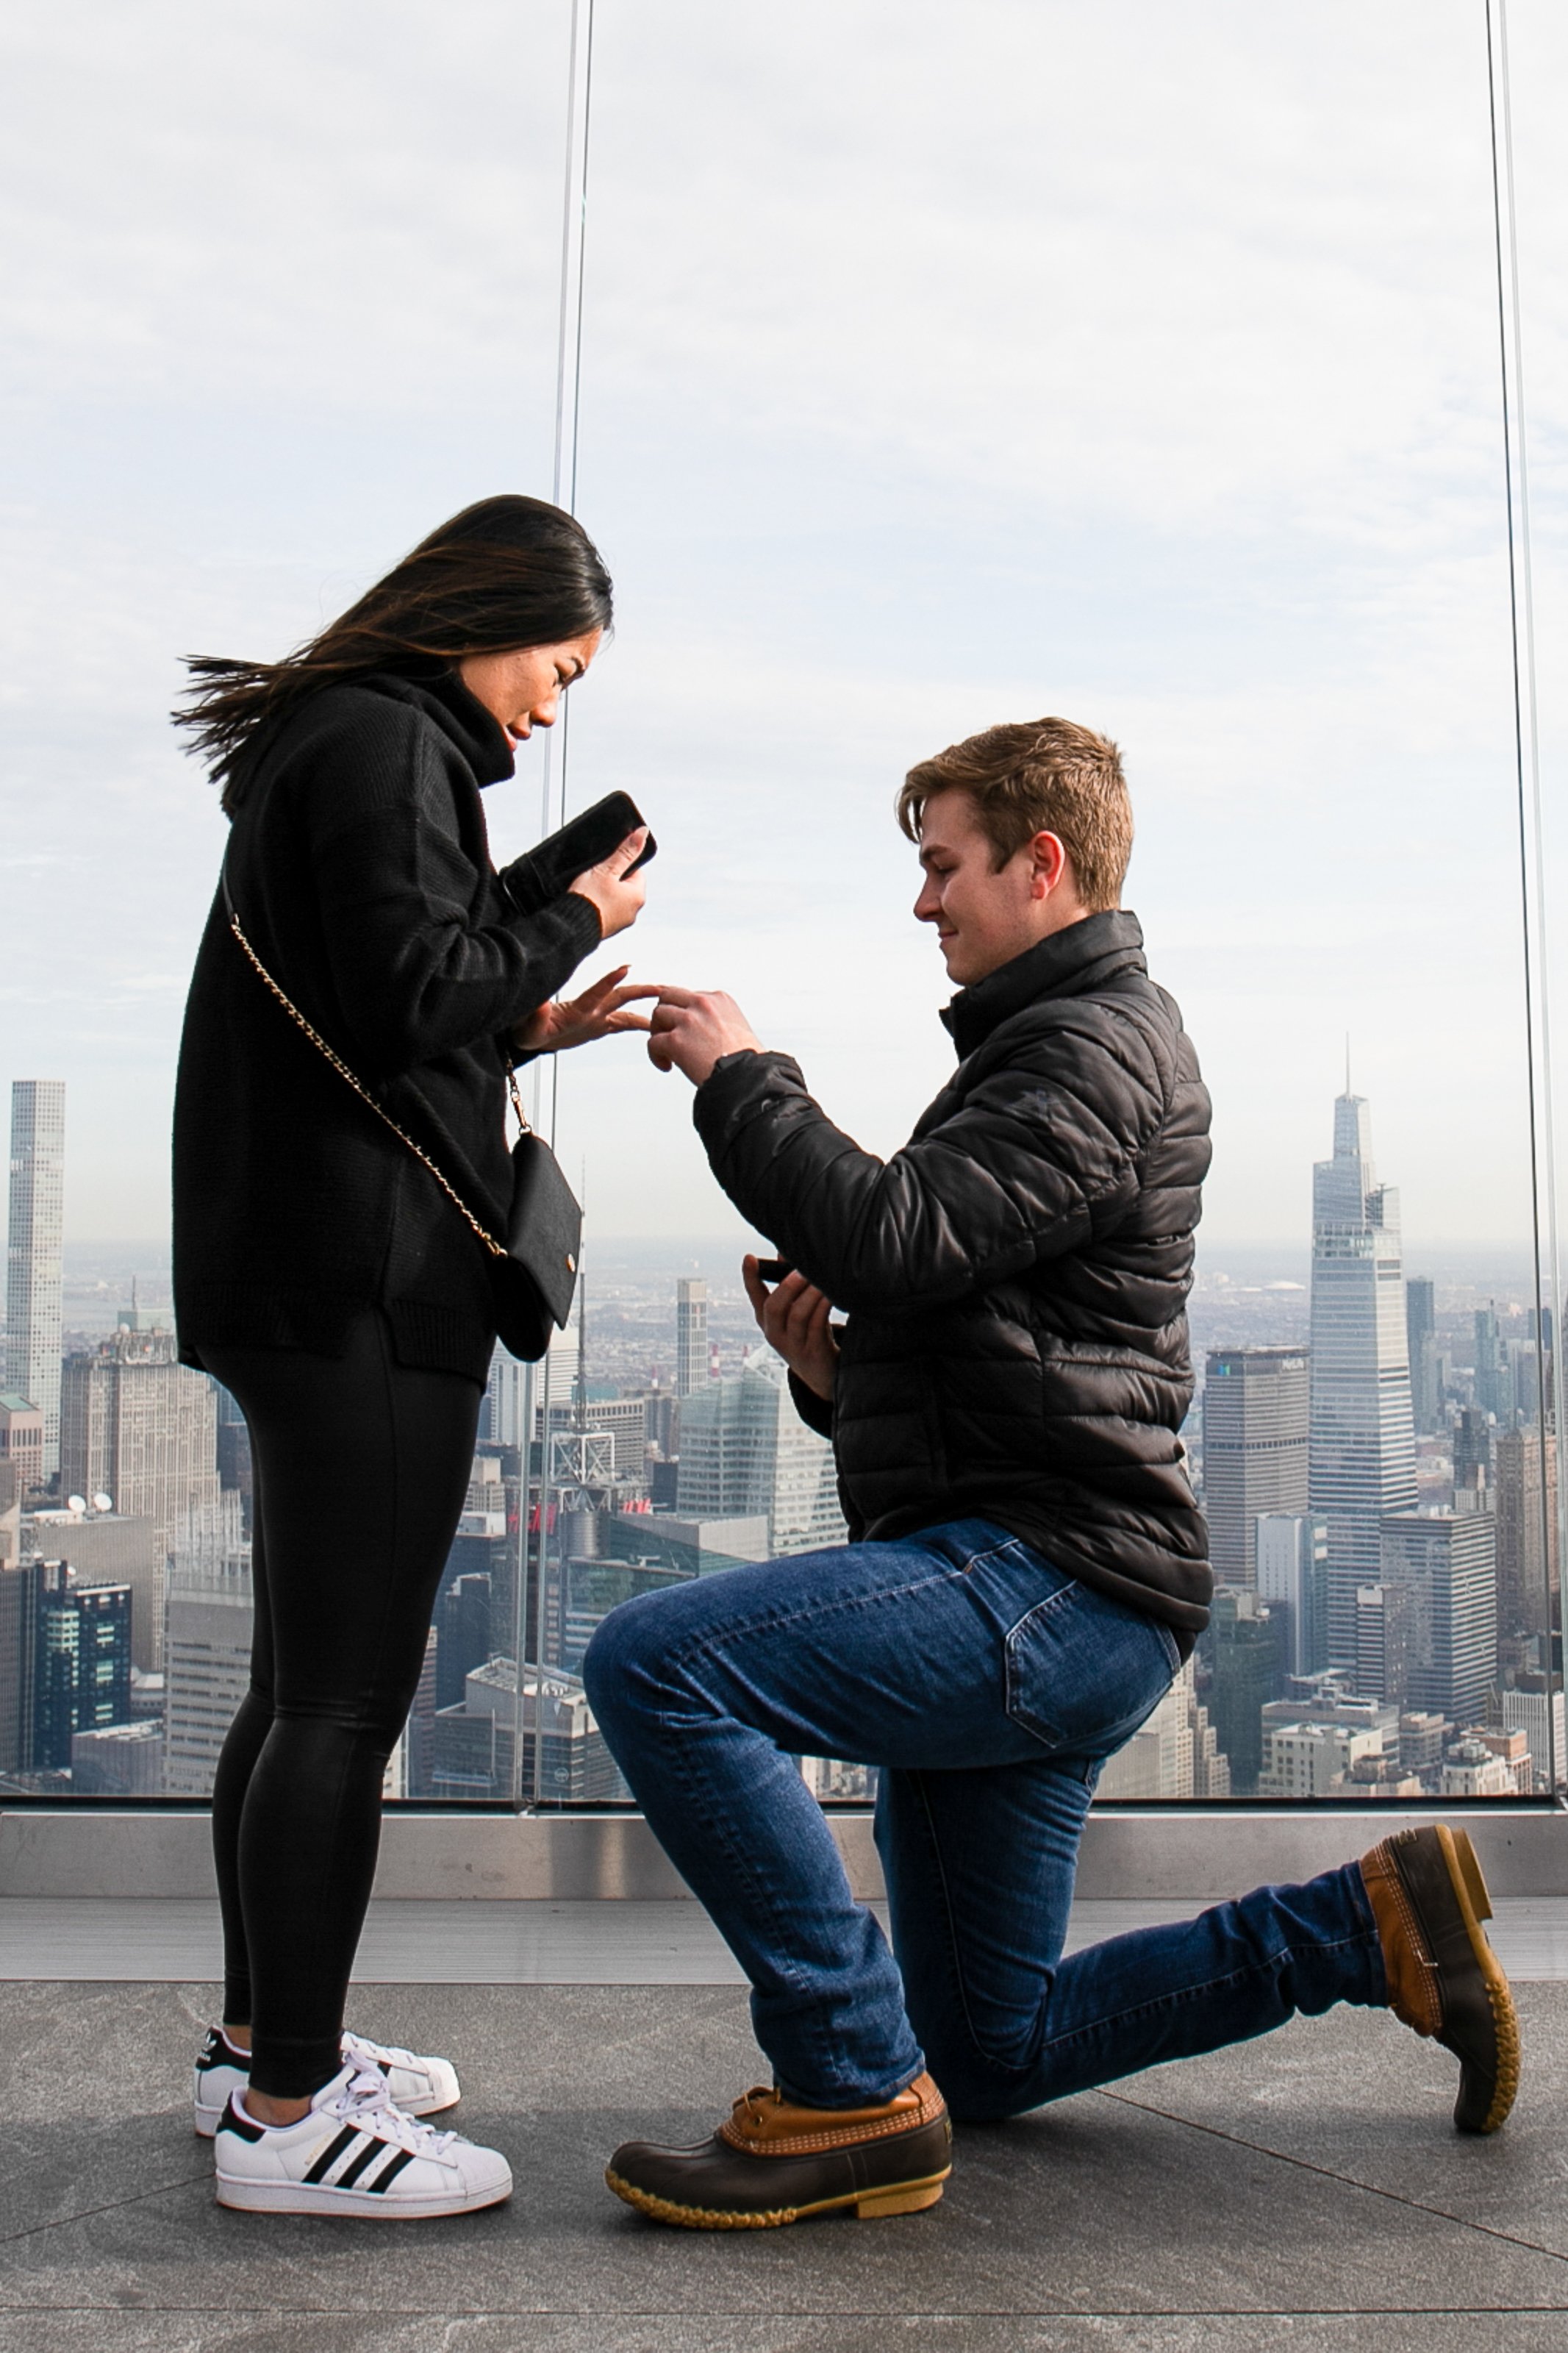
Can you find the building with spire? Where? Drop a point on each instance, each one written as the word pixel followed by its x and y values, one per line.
pixel 1362 1446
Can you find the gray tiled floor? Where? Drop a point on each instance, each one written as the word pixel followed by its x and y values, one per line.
pixel 1302 2193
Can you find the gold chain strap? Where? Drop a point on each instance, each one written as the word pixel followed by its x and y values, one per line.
pixel 496 1250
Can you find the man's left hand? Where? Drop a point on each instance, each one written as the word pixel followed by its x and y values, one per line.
pixel 694 1028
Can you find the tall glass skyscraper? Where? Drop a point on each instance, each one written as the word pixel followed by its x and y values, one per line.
pixel 690 1336
pixel 1362 1447
pixel 32 1258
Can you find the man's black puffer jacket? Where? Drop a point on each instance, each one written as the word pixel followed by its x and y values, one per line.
pixel 1016 1277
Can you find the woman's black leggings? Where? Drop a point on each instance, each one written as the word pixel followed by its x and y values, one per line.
pixel 361 1466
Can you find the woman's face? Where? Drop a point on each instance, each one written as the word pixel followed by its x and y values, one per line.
pixel 522 688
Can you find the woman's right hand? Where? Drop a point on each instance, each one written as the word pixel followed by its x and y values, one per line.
pixel 616 896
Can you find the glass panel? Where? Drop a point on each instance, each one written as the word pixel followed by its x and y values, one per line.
pixel 1138 368
pixel 901 416
pixel 256 357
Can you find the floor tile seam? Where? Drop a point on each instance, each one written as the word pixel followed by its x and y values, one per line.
pixel 113 2206
pixel 1344 2180
pixel 714 2313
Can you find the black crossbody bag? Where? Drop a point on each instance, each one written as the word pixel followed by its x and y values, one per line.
pixel 533 1273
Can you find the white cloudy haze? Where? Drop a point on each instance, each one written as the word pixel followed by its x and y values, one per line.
pixel 944 362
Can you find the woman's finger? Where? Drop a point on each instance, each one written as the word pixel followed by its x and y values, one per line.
pixel 630 851
pixel 597 990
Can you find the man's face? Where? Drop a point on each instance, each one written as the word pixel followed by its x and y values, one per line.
pixel 984 918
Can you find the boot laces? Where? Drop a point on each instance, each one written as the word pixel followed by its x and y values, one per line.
pixel 749 2106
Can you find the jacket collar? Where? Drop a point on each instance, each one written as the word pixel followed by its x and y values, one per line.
pixel 438 690
pixel 1063 965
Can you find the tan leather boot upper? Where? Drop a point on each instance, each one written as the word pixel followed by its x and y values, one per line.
pixel 764 2120
pixel 1414 1993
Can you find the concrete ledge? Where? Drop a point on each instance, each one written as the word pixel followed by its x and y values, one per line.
pixel 1203 1857
pixel 1132 1852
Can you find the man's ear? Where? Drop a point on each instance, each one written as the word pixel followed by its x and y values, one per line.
pixel 1051 865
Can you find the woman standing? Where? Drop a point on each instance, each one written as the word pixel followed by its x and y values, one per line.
pixel 324 1278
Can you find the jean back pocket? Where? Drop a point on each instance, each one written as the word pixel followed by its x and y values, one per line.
pixel 1083 1672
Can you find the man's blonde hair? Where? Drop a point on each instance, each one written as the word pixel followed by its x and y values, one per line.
pixel 1037 776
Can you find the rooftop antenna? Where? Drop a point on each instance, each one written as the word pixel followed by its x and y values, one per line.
pixel 582 1352
pixel 1347 1062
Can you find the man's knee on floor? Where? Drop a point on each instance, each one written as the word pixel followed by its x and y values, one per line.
pixel 981 2086
pixel 978 2090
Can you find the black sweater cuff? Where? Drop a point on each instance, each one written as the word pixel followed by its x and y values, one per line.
pixel 568 928
pixel 561 933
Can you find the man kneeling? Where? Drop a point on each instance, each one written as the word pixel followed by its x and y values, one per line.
pixel 1028 1571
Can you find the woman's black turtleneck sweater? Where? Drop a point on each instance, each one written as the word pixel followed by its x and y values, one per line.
pixel 360 868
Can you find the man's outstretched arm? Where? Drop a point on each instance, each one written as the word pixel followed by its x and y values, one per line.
pixel 1043 1154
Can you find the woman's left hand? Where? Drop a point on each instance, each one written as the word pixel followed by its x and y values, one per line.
pixel 599 1012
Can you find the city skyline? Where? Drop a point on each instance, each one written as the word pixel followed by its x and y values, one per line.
pixel 1377 1627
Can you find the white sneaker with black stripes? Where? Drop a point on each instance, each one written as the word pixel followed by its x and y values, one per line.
pixel 420 2087
pixel 354 2153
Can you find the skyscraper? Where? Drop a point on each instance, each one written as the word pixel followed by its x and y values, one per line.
pixel 34 1244
pixel 1362 1450
pixel 206 1657
pixel 1448 1561
pixel 142 1427
pixel 744 1450
pixel 1523 1530
pixel 1421 1338
pixel 690 1335
pixel 1494 1374
pixel 1255 1450
pixel 22 1439
pixel 21 1591
pixel 1470 1443
pixel 1248 1644
pixel 1293 1578
pixel 82 1679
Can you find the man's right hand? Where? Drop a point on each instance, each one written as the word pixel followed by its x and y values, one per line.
pixel 616 896
pixel 792 1318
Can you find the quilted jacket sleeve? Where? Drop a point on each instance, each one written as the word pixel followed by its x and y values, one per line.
pixel 1038 1154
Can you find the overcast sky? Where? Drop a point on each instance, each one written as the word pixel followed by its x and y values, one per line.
pixel 942 364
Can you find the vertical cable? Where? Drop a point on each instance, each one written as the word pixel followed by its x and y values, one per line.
pixel 553 780
pixel 1531 841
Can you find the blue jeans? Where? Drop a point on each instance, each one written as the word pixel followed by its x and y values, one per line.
pixel 990 1689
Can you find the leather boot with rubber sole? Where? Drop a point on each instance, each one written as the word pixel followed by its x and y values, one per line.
pixel 1429 1900
pixel 773 2162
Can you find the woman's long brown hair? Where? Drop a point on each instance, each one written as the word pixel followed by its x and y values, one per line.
pixel 505 573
